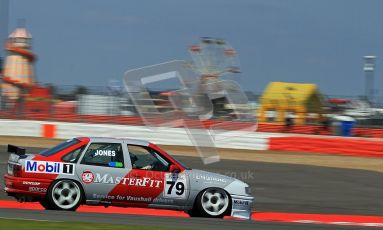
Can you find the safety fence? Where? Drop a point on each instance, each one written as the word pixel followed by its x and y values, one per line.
pixel 159 135
pixel 309 129
pixel 179 136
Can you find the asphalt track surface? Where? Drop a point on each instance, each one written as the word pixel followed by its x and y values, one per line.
pixel 277 188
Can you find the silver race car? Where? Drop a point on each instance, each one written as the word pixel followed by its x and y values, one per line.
pixel 121 172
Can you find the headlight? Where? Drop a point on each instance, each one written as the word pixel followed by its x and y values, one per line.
pixel 248 190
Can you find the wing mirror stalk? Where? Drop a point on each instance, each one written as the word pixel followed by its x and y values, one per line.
pixel 174 169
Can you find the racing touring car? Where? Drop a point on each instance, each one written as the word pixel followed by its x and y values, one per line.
pixel 121 172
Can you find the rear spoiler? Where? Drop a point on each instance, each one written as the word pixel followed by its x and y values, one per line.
pixel 16 150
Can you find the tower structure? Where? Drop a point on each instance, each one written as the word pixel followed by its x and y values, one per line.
pixel 18 70
pixel 369 68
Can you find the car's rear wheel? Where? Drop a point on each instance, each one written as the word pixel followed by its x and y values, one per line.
pixel 45 203
pixel 213 202
pixel 64 195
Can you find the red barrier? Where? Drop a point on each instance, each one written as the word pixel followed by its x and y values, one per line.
pixel 301 129
pixel 342 146
pixel 219 124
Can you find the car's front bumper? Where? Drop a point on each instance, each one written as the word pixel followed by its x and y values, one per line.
pixel 241 206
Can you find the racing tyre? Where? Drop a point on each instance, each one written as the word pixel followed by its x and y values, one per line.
pixel 213 203
pixel 64 195
pixel 45 203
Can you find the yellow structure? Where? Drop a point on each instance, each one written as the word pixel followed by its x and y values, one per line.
pixel 282 99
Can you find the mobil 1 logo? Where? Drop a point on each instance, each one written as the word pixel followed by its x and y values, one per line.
pixel 49 167
pixel 68 169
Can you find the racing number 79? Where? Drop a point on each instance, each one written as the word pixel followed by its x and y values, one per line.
pixel 180 187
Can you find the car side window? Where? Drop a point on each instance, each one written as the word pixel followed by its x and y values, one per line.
pixel 147 159
pixel 73 156
pixel 104 154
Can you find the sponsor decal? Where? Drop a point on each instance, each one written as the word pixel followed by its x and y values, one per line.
pixel 210 178
pixel 143 182
pixel 116 164
pixel 175 185
pixel 241 204
pixel 123 198
pixel 49 167
pixel 163 201
pixel 105 153
pixel 37 189
pixel 103 196
pixel 138 199
pixel 87 177
pixel 31 183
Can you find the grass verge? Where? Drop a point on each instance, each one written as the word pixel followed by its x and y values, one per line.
pixel 27 224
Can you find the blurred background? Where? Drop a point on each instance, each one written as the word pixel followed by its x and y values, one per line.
pixel 317 76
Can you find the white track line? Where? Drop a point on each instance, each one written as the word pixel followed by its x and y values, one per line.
pixel 16 218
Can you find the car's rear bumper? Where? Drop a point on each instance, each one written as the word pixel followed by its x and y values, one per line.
pixel 241 206
pixel 26 186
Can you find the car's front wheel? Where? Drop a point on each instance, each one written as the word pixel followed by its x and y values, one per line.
pixel 64 195
pixel 213 202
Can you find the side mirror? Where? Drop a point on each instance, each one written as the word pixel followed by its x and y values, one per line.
pixel 174 169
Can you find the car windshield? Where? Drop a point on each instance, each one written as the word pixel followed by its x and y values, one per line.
pixel 58 148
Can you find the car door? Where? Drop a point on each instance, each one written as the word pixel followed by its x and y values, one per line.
pixel 101 168
pixel 149 183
